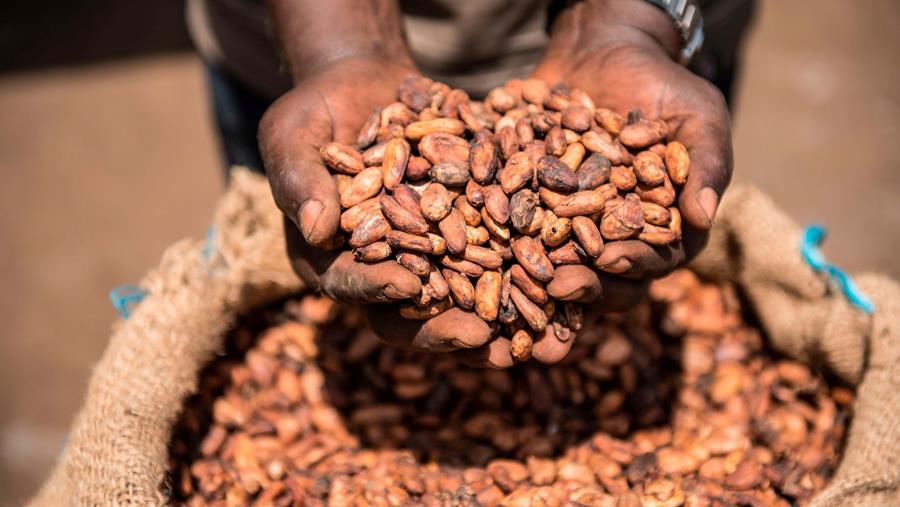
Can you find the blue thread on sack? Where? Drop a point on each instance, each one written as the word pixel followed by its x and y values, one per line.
pixel 125 297
pixel 812 237
pixel 209 245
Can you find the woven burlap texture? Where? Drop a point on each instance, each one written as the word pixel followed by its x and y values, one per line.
pixel 116 453
pixel 757 247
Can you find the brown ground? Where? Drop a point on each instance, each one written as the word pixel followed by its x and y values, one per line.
pixel 109 163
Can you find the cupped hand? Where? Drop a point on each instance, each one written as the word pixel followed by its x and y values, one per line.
pixel 330 105
pixel 627 69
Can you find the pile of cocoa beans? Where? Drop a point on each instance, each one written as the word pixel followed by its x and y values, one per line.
pixel 675 403
pixel 481 199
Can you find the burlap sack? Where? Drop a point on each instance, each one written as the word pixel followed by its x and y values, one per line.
pixel 756 246
pixel 116 453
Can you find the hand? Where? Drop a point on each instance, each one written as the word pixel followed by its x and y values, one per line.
pixel 621 52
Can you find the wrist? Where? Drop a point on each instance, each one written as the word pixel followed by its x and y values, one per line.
pixel 596 24
pixel 315 35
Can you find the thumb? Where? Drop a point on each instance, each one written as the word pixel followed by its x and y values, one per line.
pixel 290 134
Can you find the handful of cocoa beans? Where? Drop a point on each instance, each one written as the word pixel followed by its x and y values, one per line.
pixel 482 199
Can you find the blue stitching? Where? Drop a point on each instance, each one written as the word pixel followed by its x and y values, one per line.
pixel 812 237
pixel 125 297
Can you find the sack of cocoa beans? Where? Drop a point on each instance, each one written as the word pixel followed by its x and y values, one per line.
pixel 678 402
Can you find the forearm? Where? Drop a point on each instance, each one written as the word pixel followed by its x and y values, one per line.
pixel 591 25
pixel 313 33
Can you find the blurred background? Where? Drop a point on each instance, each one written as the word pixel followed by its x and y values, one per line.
pixel 108 156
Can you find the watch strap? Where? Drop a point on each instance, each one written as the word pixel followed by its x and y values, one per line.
pixel 689 22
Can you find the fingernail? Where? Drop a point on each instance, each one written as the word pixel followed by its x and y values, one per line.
pixel 617 267
pixel 575 294
pixel 391 291
pixel 709 201
pixel 309 215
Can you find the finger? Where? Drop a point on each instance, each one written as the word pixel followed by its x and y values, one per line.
pixel 575 283
pixel 290 134
pixel 638 260
pixel 449 331
pixel 298 253
pixel 548 349
pixel 707 136
pixel 495 355
pixel 347 280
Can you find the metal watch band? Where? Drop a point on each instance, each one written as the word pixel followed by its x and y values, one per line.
pixel 689 22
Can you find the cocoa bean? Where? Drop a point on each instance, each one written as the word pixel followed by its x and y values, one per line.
pixel 450 106
pixel 656 235
pixel 397 114
pixel 436 202
pixel 369 230
pixel 484 159
pixel 527 285
pixel 588 235
pixel 532 258
pixel 453 230
pixel 518 171
pixel 342 158
pixel 373 252
pixel 402 218
pixel 351 217
pixel 607 149
pixel 554 174
pixel 450 173
pixel 461 265
pixel 417 168
pixel 471 215
pixel 417 264
pixel 555 231
pixel 576 117
pixel 585 202
pixel 569 253
pixel 524 132
pixel 440 147
pixel 369 130
pixel 623 178
pixel 556 142
pixel 593 172
pixel 415 92
pixel 624 221
pixel 535 91
pixel 522 206
pixel 642 133
pixel 649 169
pixel 474 193
pixel 419 129
pixel 461 289
pixel 534 315
pixel 675 222
pixel 655 214
pixel 663 195
pixel 678 162
pixel 484 257
pixel 440 289
pixel 400 240
pixel 487 295
pixel 496 203
pixel 476 235
pixel 498 230
pixel 520 346
pixel 396 157
pixel 573 156
pixel 472 121
pixel 611 121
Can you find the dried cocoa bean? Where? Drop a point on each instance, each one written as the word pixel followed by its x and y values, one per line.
pixel 453 230
pixel 588 235
pixel 435 202
pixel 450 173
pixel 534 315
pixel 461 289
pixel 342 158
pixel 487 295
pixel 400 240
pixel 369 230
pixel 554 174
pixel 373 252
pixel 417 264
pixel 402 218
pixel 527 285
pixel 532 258
pixel 419 129
pixel 649 168
pixel 496 203
pixel 624 221
pixel 678 162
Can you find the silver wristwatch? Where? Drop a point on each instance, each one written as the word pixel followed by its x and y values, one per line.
pixel 688 21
